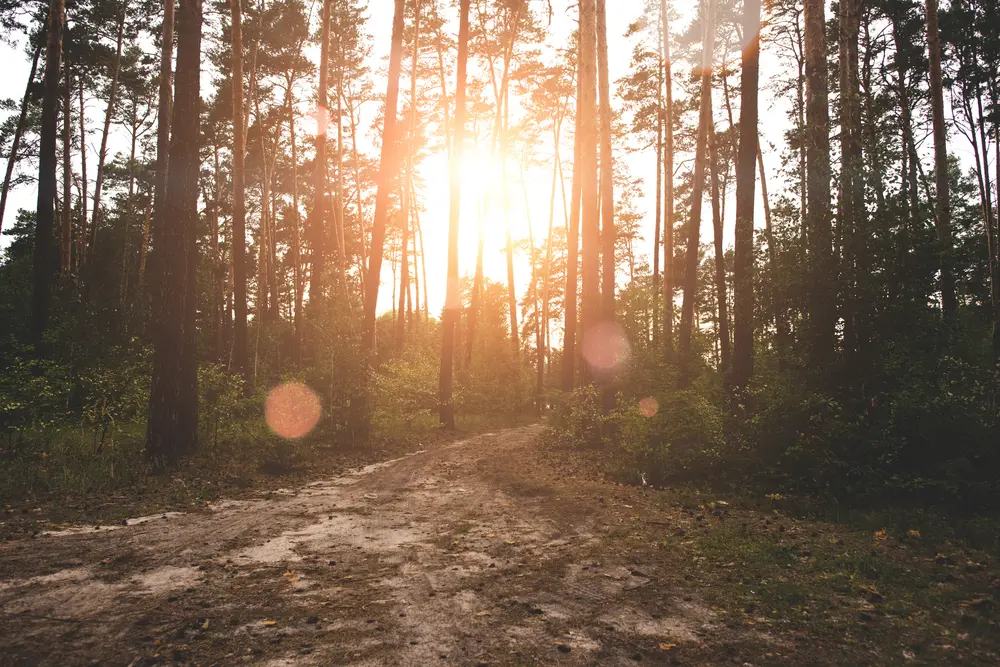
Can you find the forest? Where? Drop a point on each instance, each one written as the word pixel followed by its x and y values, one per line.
pixel 253 218
pixel 709 248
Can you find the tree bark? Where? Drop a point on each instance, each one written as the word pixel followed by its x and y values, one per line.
pixel 46 259
pixel 453 299
pixel 172 428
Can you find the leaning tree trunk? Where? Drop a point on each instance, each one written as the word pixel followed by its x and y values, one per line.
pixel 746 159
pixel 18 132
pixel 388 169
pixel 172 427
pixel 942 200
pixel 239 237
pixel 109 112
pixel 685 344
pixel 46 260
pixel 453 299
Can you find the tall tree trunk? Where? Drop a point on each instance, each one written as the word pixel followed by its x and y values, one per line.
pixel 453 299
pixel 296 235
pixel 18 132
pixel 363 241
pixel 515 342
pixel 743 267
pixel 81 240
pixel 341 206
pixel 590 217
pixel 942 200
pixel 668 189
pixel 46 260
pixel 571 294
pixel 822 292
pixel 109 112
pixel 657 238
pixel 163 115
pixel 241 362
pixel 850 180
pixel 172 428
pixel 317 226
pixel 263 304
pixel 408 180
pixel 476 298
pixel 685 344
pixel 218 265
pixel 721 291
pixel 66 245
pixel 608 234
pixel 543 353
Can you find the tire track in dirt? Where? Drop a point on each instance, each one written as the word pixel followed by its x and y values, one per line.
pixel 458 555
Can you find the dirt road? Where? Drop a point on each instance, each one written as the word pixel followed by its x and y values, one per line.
pixel 469 554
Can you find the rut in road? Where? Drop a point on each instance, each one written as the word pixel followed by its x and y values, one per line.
pixel 465 553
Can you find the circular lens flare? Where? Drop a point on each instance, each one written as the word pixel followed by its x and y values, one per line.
pixel 605 347
pixel 292 410
pixel 649 407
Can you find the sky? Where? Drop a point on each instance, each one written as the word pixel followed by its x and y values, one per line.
pixel 531 204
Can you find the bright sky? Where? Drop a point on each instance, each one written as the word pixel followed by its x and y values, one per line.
pixel 477 168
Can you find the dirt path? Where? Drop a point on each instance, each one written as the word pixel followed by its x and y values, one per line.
pixel 468 554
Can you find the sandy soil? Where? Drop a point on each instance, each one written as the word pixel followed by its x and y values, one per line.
pixel 473 553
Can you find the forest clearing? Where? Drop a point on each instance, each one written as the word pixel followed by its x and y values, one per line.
pixel 503 332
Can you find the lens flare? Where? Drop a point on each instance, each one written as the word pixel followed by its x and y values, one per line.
pixel 649 407
pixel 292 410
pixel 605 347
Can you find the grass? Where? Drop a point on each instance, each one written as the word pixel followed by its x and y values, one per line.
pixel 795 584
